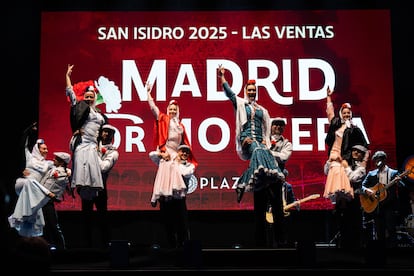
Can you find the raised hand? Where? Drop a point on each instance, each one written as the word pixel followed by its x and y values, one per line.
pixel 148 86
pixel 70 67
pixel 329 91
pixel 221 70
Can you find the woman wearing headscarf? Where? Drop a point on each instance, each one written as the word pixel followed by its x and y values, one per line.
pixel 263 176
pixel 169 185
pixel 27 217
pixel 86 121
pixel 169 134
pixel 342 135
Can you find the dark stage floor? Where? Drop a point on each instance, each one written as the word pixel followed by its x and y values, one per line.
pixel 124 257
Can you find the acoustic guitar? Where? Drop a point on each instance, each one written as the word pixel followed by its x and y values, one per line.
pixel 370 202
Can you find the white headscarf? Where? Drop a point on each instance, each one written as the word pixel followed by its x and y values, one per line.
pixel 178 108
pixel 349 122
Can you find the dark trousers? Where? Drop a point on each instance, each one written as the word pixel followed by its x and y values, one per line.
pixel 101 220
pixel 349 220
pixel 272 195
pixel 52 231
pixel 174 215
pixel 383 224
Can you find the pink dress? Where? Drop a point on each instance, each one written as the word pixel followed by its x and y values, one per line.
pixel 337 182
pixel 168 181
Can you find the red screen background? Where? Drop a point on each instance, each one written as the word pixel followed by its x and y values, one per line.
pixel 359 52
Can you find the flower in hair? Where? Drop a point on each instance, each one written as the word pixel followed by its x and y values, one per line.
pixel 80 88
pixel 251 82
pixel 173 102
pixel 346 105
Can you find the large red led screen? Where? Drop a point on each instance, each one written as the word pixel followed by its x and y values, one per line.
pixel 293 56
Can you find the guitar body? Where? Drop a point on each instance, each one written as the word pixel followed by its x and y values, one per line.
pixel 370 202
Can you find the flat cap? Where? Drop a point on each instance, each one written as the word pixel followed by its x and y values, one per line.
pixel 110 127
pixel 184 147
pixel 63 155
pixel 360 148
pixel 379 155
pixel 278 120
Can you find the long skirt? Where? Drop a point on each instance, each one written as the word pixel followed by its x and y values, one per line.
pixel 337 183
pixel 27 217
pixel 262 166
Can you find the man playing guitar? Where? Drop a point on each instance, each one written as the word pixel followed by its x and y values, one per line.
pixel 379 200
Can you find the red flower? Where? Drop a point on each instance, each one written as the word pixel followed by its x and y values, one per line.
pixel 55 174
pixel 80 87
pixel 103 150
pixel 273 142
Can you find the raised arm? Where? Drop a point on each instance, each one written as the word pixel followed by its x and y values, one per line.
pixel 27 132
pixel 329 104
pixel 68 73
pixel 154 109
pixel 69 87
pixel 229 93
pixel 221 71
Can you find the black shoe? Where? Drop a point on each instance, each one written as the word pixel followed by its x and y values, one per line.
pixel 240 193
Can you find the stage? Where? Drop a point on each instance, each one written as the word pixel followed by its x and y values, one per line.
pixel 123 256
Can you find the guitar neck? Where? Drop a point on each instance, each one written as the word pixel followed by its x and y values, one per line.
pixel 290 205
pixel 396 179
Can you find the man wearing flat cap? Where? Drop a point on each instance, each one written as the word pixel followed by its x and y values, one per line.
pixel 348 212
pixel 187 167
pixel 355 168
pixel 62 156
pixel 57 181
pixel 174 211
pixel 281 150
pixel 281 147
pixel 380 200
